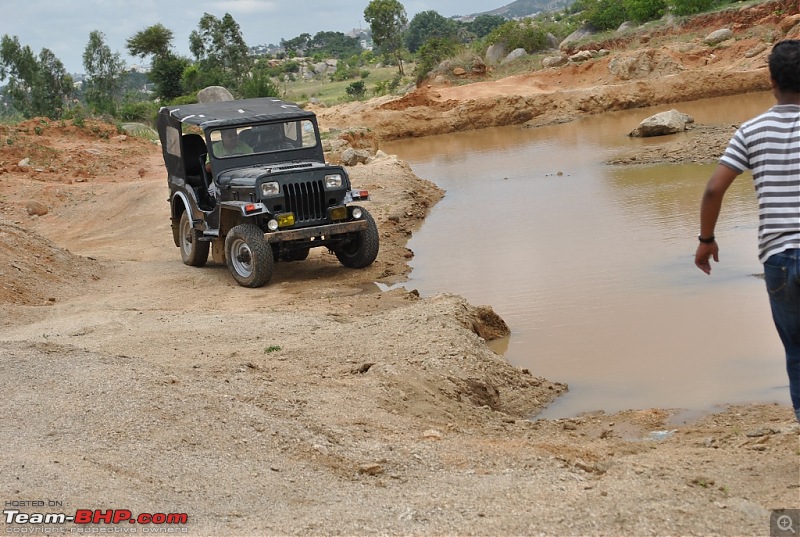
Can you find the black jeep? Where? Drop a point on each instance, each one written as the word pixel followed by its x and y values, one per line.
pixel 249 178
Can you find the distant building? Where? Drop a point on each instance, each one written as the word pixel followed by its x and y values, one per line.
pixel 135 68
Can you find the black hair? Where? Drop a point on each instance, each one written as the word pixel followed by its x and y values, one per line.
pixel 784 65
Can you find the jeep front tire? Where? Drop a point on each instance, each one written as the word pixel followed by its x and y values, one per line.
pixel 362 249
pixel 249 256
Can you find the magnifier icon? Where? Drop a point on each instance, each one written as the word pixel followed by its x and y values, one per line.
pixel 784 523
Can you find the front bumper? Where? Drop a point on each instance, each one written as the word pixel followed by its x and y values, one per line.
pixel 316 232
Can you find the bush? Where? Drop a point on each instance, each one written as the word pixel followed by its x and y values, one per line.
pixel 645 10
pixel 356 90
pixel 432 53
pixel 690 7
pixel 258 85
pixel 515 34
pixel 138 111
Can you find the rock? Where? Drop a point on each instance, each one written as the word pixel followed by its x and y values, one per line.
pixel 24 163
pixel 478 66
pixel 213 94
pixel 351 157
pixel 718 36
pixel 459 71
pixel 755 51
pixel 515 54
pixel 334 145
pixel 320 68
pixel 370 469
pixel 789 22
pixel 140 130
pixel 581 56
pixel 661 124
pixel 495 53
pixel 581 33
pixel 643 64
pixel 555 61
pixel 36 208
pixel 625 26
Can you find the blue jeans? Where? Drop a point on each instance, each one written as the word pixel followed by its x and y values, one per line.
pixel 782 276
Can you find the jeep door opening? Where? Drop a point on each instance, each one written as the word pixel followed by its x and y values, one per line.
pixel 248 182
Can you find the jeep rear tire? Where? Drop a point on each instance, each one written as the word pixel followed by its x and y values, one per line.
pixel 362 250
pixel 193 252
pixel 249 256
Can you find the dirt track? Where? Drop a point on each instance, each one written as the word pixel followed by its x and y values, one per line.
pixel 317 405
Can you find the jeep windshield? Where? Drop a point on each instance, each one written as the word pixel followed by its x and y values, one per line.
pixel 260 139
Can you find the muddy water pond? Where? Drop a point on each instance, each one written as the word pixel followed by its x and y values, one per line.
pixel 592 267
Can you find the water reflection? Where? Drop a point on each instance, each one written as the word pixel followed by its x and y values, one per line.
pixel 591 266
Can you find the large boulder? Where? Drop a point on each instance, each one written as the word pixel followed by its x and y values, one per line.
pixel 582 56
pixel 555 61
pixel 141 130
pixel 351 157
pixel 581 33
pixel 514 55
pixel 214 94
pixel 662 124
pixel 717 37
pixel 495 53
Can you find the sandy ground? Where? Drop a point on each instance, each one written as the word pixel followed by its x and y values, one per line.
pixel 319 405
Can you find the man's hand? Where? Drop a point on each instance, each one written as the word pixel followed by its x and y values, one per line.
pixel 703 255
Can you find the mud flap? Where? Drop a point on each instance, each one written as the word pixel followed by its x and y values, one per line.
pixel 218 251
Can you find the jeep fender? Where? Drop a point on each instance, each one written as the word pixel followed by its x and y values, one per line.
pixel 178 200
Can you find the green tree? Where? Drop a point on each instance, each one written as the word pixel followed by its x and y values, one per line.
pixel 297 45
pixel 427 25
pixel 334 45
pixel 105 72
pixel 154 40
pixel 645 10
pixel 36 86
pixel 221 51
pixel 167 74
pixel 484 24
pixel 167 68
pixel 387 20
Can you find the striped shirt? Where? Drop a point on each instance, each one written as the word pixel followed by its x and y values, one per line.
pixel 769 146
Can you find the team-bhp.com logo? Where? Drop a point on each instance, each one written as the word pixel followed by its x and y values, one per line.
pixel 96 516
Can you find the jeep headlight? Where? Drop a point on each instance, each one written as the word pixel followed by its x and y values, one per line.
pixel 270 189
pixel 333 180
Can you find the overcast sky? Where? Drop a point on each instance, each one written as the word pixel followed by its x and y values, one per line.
pixel 63 26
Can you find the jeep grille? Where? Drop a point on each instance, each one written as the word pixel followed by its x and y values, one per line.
pixel 306 199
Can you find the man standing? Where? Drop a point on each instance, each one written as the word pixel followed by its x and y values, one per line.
pixel 769 146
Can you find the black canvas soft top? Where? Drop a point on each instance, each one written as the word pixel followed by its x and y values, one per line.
pixel 233 113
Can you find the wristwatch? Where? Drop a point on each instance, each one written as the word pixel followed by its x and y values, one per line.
pixel 706 240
